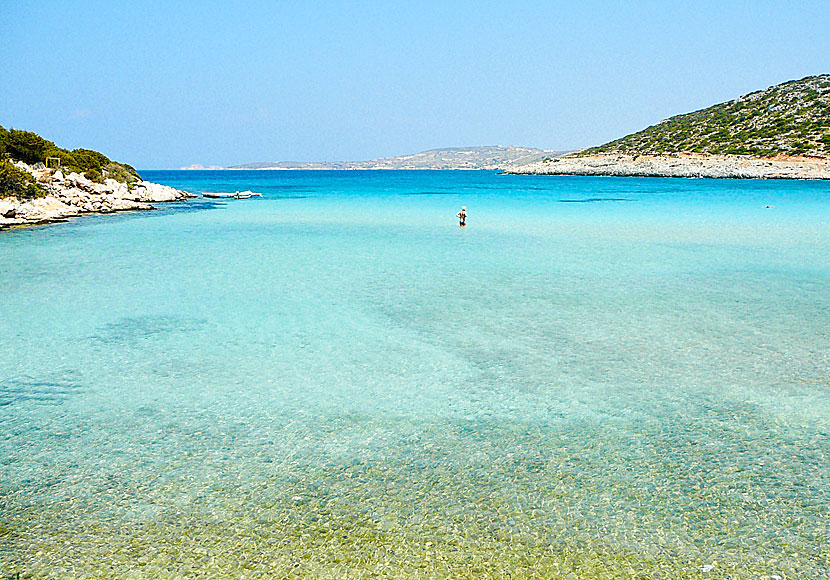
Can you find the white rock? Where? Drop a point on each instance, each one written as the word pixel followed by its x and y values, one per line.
pixel 8 206
pixel 79 179
pixel 135 194
pixel 73 193
pixel 4 221
pixel 44 209
pixel 156 192
pixel 42 175
pixel 70 195
pixel 119 189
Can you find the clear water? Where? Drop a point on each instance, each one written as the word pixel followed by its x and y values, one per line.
pixel 597 378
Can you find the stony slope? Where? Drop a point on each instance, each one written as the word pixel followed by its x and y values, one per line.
pixel 33 150
pixel 489 157
pixel 63 196
pixel 792 118
pixel 86 182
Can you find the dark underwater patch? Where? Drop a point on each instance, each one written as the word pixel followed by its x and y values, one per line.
pixel 48 390
pixel 201 205
pixel 593 200
pixel 131 329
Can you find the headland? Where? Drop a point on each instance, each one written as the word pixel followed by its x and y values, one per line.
pixel 41 182
pixel 74 194
pixel 782 132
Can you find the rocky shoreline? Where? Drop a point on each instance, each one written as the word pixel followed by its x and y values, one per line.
pixel 73 195
pixel 682 165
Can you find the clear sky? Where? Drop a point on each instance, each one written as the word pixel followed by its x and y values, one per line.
pixel 166 84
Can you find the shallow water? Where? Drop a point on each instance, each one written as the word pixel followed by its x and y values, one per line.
pixel 604 377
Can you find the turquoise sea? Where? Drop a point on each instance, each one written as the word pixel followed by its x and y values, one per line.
pixel 596 378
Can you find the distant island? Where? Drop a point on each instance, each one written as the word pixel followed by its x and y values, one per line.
pixel 781 132
pixel 486 157
pixel 41 182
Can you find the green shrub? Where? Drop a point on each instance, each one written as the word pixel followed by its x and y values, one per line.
pixel 121 173
pixel 94 175
pixel 67 159
pixel 15 182
pixel 85 159
pixel 26 146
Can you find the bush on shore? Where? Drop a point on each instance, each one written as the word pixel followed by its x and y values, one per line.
pixel 15 182
pixel 94 175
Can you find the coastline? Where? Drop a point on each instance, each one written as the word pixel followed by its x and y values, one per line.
pixel 688 165
pixel 74 195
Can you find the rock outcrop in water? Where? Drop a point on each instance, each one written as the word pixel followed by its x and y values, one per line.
pixel 72 195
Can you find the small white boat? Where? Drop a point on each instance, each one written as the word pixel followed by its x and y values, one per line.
pixel 228 195
pixel 246 194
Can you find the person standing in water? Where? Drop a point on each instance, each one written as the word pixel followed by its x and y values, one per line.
pixel 462 216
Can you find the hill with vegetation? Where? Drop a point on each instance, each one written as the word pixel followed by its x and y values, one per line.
pixel 792 118
pixel 34 150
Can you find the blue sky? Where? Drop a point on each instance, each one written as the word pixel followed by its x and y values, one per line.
pixel 162 84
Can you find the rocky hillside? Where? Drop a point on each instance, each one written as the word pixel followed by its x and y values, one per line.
pixel 78 182
pixel 33 151
pixel 63 196
pixel 792 118
pixel 491 157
